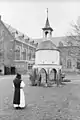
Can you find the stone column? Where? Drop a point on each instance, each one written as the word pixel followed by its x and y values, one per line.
pixel 60 77
pixel 47 80
pixel 57 78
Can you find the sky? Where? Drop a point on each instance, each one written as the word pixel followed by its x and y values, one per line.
pixel 29 16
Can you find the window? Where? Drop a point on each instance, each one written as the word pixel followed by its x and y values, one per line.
pixel 29 66
pixel 29 55
pixel 69 63
pixel 17 53
pixel 33 54
pixel 78 63
pixel 24 54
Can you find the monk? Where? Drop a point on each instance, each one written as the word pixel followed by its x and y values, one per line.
pixel 19 98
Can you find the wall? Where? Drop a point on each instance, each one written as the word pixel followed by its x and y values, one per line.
pixel 47 57
pixel 7 45
pixel 21 66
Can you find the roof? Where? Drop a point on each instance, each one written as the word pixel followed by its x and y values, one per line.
pixel 47 25
pixel 46 45
pixel 20 36
pixel 15 32
pixel 55 40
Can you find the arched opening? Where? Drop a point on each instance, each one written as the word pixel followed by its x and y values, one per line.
pixel 52 75
pixel 69 64
pixel 43 74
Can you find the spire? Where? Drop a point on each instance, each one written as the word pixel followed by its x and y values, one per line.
pixel 47 25
pixel 47 21
pixel 47 30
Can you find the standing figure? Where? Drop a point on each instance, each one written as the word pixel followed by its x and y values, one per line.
pixel 19 98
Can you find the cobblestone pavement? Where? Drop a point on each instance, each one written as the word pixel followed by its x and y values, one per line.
pixel 51 103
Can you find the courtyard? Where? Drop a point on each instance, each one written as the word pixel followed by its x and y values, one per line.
pixel 42 103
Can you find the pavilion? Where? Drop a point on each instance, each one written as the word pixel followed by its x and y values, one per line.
pixel 47 55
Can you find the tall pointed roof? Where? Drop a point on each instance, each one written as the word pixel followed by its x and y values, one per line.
pixel 47 25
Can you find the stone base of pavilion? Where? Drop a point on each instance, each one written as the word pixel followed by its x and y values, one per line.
pixel 47 68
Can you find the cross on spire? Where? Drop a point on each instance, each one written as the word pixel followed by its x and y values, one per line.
pixel 47 12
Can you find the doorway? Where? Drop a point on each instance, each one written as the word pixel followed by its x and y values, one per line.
pixel 13 71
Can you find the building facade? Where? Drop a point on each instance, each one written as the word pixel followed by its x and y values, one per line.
pixel 47 58
pixel 17 51
pixel 70 58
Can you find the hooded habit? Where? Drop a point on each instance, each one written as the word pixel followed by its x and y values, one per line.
pixel 17 82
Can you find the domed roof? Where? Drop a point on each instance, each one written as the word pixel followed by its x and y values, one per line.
pixel 46 45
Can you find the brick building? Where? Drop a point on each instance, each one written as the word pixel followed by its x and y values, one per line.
pixel 17 51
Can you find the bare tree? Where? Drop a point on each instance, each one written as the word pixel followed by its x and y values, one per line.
pixel 73 36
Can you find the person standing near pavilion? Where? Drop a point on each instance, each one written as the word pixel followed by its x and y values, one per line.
pixel 19 98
